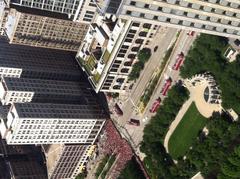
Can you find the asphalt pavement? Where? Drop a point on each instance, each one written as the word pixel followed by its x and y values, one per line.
pixel 164 39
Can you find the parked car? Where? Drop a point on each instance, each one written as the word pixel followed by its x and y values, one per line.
pixel 134 122
pixel 166 86
pixel 155 105
pixel 118 110
pixel 237 42
pixel 179 61
pixel 191 33
pixel 155 48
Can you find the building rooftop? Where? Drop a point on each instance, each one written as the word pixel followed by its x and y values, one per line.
pixel 39 86
pixel 52 153
pixel 99 47
pixel 108 6
pixel 59 111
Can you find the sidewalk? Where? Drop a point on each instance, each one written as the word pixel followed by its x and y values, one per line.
pixel 177 120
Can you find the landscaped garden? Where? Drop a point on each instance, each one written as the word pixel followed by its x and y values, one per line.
pixel 186 132
pixel 215 155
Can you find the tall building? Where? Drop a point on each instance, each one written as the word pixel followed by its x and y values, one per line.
pixel 66 161
pixel 46 123
pixel 30 62
pixel 18 161
pixel 3 16
pixel 21 90
pixel 42 31
pixel 109 50
pixel 218 17
pixel 77 10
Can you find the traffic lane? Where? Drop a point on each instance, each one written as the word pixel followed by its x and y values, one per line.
pixel 153 63
pixel 184 47
pixel 146 75
pixel 137 132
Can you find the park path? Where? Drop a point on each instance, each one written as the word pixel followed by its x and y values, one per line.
pixel 177 120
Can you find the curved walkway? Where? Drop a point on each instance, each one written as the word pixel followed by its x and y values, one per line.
pixel 204 108
pixel 175 123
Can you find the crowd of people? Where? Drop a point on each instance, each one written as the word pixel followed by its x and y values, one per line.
pixel 113 143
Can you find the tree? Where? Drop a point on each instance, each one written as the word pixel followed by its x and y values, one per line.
pixel 132 170
pixel 144 55
pixel 231 167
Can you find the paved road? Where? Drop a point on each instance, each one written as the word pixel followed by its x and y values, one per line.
pixel 183 45
pixel 163 40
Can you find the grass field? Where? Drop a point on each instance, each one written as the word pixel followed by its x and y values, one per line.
pixel 186 132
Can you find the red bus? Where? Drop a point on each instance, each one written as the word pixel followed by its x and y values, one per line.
pixel 166 86
pixel 179 61
pixel 155 105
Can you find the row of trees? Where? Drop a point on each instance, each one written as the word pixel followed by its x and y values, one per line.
pixel 207 55
pixel 132 170
pixel 157 161
pixel 143 57
pixel 216 155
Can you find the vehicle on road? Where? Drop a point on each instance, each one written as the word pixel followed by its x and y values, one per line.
pixel 237 42
pixel 134 122
pixel 118 110
pixel 179 61
pixel 155 48
pixel 155 105
pixel 166 86
pixel 191 33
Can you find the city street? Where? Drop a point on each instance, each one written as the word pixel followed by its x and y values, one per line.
pixel 129 105
pixel 165 37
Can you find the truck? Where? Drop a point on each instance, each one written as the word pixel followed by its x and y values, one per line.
pixel 155 105
pixel 179 61
pixel 166 86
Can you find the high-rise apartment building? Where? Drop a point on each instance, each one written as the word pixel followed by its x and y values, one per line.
pixel 21 90
pixel 77 10
pixel 3 16
pixel 66 161
pixel 47 123
pixel 21 161
pixel 218 17
pixel 109 50
pixel 42 31
pixel 30 62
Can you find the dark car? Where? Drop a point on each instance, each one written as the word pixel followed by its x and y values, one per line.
pixel 134 122
pixel 155 48
pixel 118 110
pixel 237 42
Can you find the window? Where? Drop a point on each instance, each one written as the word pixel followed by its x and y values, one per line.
pixel 146 6
pixel 133 3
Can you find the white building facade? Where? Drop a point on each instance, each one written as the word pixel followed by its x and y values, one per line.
pixel 110 49
pixel 45 123
pixel 218 17
pixel 78 10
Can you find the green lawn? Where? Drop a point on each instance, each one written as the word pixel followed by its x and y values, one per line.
pixel 186 132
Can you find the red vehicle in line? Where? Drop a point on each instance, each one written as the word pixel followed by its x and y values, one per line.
pixel 134 122
pixel 191 33
pixel 166 86
pixel 155 105
pixel 118 110
pixel 179 61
